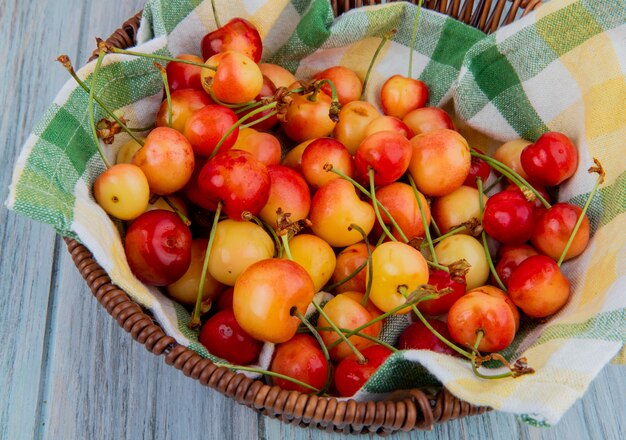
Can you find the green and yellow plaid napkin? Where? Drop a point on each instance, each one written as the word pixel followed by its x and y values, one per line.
pixel 560 68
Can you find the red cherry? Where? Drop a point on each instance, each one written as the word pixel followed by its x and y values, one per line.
pixel 553 228
pixel 351 375
pixel 268 89
pixel 478 168
pixel 225 338
pixel 442 280
pixel 550 160
pixel 508 218
pixel 205 128
pixel 419 337
pixel 387 152
pixel 225 300
pixel 300 358
pixel 536 203
pixel 511 256
pixel 239 35
pixel 184 76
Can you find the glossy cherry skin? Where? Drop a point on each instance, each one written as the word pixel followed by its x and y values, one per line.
pixel 225 338
pixel 300 358
pixel 158 247
pixel 553 228
pixel 419 337
pixel 354 120
pixel 348 260
pixel 184 76
pixel 194 194
pixel 441 279
pixel 237 179
pixel 264 146
pixel 279 76
pixel 500 294
pixel 324 151
pixel 478 168
pixel 387 153
pixel 347 83
pixel 398 198
pixel 206 127
pixel 508 218
pixel 350 375
pixel 550 160
pixel 306 119
pixel 540 189
pixel 399 95
pixel 185 102
pixel 239 35
pixel 538 287
pixel 289 192
pixel 426 119
pixel 511 256
pixel 236 79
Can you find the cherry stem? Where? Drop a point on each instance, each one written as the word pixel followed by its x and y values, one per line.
pixel 451 232
pixel 429 240
pixel 413 37
pixel 376 210
pixel 238 123
pixel 481 207
pixel 63 59
pixel 266 372
pixel 357 185
pixel 384 40
pixel 285 241
pixel 195 318
pixel 248 216
pixel 512 175
pixel 207 82
pixel 215 16
pixel 168 96
pixel 158 57
pixel 261 119
pixel 348 277
pixel 599 181
pixel 320 341
pixel 362 335
pixel 438 266
pixel 178 212
pixel 459 350
pixel 357 353
pixel 495 182
pixel 92 122
pixel 479 336
pixel 437 231
pixel 370 266
pixel 248 106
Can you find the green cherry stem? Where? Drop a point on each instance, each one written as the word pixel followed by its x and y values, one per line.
pixel 370 266
pixel 384 40
pixel 248 216
pixel 436 229
pixel 267 373
pixel 362 335
pixel 178 212
pixel 168 96
pixel 596 169
pixel 92 122
pixel 261 119
pixel 495 182
pixel 195 317
pixel 355 350
pixel 481 207
pixel 347 277
pixel 215 16
pixel 320 341
pixel 207 84
pixel 479 336
pixel 285 240
pixel 413 37
pixel 512 175
pixel 451 232
pixel 429 240
pixel 375 204
pixel 158 57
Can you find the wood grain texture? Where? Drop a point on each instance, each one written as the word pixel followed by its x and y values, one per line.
pixel 67 370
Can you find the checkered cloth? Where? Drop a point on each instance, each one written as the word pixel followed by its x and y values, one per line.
pixel 560 68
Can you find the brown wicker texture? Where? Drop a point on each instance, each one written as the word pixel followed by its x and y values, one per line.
pixel 419 410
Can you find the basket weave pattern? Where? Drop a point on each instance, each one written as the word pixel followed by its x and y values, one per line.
pixel 419 410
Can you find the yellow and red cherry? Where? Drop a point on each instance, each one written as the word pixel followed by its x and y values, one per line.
pixel 512 256
pixel 315 256
pixel 422 120
pixel 184 76
pixel 185 289
pixel 122 191
pixel 440 279
pixel 354 119
pixel 238 180
pixel 396 265
pixel 399 95
pixel 223 337
pixel 293 159
pixel 553 228
pixel 336 206
pixel 279 76
pixel 374 311
pixel 237 35
pixel 300 358
pixel 264 146
pixel 388 123
pixel 318 154
pixel 499 293
pixel 479 311
pixel 419 337
pixel 460 246
pixel 478 168
pixel 348 261
pixel 538 286
pixel 267 295
pixel 440 161
pixel 509 154
pixel 158 247
pixel 386 152
pixel 347 83
pixel 351 374
pixel 398 198
pixel 236 246
pixel 237 78
pixel 185 102
pixel 346 313
pixel 289 192
pixel 307 117
pixel 460 206
pixel 508 218
pixel 205 128
pixel 166 159
pixel 550 160
pixel 269 115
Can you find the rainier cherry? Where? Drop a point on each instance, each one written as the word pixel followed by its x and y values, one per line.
pixel 237 79
pixel 184 76
pixel 315 256
pixel 426 119
pixel 553 228
pixel 307 117
pixel 354 120
pixel 440 279
pixel 184 103
pixel 324 151
pixel 289 192
pixel 300 358
pixel 206 127
pixel 387 153
pixel 398 198
pixel 122 191
pixel 348 260
pixel 348 85
pixel 399 95
pixel 550 160
pixel 239 35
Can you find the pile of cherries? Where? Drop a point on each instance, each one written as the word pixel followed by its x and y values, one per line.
pixel 387 212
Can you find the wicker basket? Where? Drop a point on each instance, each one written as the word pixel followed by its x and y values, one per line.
pixel 420 410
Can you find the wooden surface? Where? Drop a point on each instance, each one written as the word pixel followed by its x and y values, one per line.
pixel 67 371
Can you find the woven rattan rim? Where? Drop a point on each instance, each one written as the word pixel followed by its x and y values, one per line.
pixel 419 410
